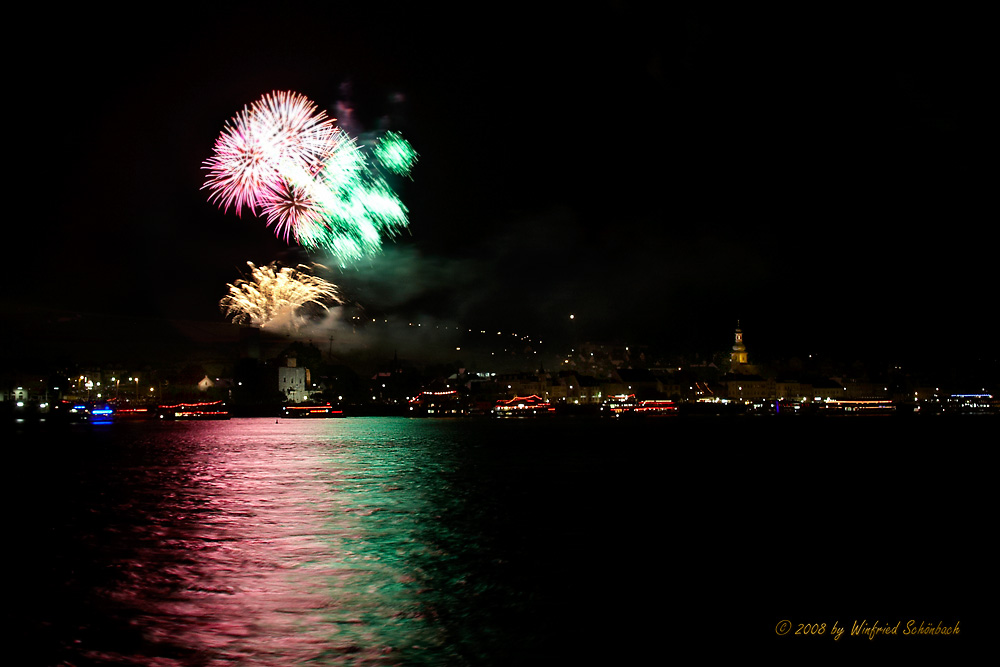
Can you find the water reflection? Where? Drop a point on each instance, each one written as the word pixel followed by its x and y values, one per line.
pixel 354 541
pixel 284 543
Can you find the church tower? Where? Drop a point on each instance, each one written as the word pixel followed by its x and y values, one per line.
pixel 738 356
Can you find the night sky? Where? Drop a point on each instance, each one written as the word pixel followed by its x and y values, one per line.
pixel 658 175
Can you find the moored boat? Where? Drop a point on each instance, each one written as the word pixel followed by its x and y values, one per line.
pixel 202 411
pixel 312 411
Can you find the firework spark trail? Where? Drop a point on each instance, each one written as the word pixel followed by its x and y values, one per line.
pixel 240 171
pixel 352 206
pixel 298 132
pixel 275 295
pixel 290 210
pixel 395 153
pixel 285 160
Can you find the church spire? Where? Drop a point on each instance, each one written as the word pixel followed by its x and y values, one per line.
pixel 739 354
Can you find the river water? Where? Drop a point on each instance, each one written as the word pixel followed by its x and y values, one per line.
pixel 391 541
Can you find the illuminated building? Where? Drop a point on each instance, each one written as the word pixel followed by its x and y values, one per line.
pixel 738 356
pixel 589 390
pixel 572 388
pixel 749 388
pixel 976 403
pixel 739 360
pixel 855 389
pixel 293 381
pixel 523 384
pixel 791 390
pixel 826 390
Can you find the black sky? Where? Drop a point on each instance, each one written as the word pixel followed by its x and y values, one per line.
pixel 658 174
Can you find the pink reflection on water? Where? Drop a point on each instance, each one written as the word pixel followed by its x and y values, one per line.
pixel 276 544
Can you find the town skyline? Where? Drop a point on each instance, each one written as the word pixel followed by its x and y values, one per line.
pixel 261 372
pixel 650 179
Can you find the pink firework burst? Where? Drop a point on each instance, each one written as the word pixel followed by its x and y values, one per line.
pixel 241 168
pixel 282 138
pixel 302 134
pixel 291 210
